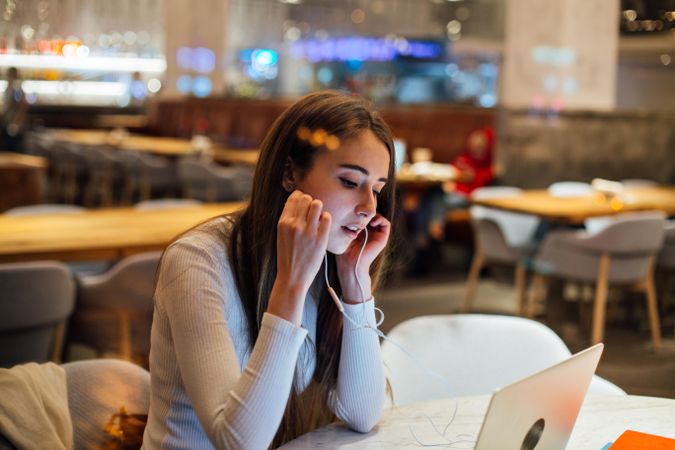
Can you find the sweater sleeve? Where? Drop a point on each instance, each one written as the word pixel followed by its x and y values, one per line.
pixel 482 176
pixel 359 396
pixel 236 409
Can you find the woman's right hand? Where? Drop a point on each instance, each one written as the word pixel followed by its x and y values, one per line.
pixel 302 238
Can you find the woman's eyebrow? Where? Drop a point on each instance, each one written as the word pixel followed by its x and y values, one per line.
pixel 360 169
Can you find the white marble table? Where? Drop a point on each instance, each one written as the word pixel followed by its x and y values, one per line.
pixel 602 420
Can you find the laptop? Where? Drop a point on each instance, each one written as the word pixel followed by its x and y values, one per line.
pixel 539 411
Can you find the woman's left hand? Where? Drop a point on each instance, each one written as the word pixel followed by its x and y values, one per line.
pixel 378 235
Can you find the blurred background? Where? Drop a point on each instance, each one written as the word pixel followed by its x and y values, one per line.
pixel 437 69
pixel 114 108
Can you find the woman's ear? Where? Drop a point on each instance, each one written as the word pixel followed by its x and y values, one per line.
pixel 289 178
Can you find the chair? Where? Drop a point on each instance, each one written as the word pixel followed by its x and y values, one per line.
pixel 36 298
pixel 597 224
pixel 475 353
pixel 114 310
pixel 166 203
pixel 96 390
pixel 70 171
pixel 623 253
pixel 570 189
pixel 104 166
pixel 37 143
pixel 149 175
pixel 210 182
pixel 666 259
pixel 500 237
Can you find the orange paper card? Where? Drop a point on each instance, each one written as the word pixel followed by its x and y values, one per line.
pixel 634 440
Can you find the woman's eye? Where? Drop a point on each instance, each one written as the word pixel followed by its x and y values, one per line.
pixel 347 183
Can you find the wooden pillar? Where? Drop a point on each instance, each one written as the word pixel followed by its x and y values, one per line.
pixel 560 55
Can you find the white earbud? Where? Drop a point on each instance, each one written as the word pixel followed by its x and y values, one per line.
pixel 332 292
pixel 439 378
pixel 336 299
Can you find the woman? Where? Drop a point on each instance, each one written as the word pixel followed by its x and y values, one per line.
pixel 248 349
pixel 14 111
pixel 474 169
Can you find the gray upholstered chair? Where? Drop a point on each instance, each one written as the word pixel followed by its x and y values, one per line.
pixel 70 169
pixel 501 237
pixel 666 258
pixel 114 310
pixel 475 353
pixel 623 254
pixel 104 167
pixel 666 263
pixel 36 299
pixel 148 176
pixel 210 182
pixel 97 389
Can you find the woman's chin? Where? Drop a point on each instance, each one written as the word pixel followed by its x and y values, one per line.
pixel 338 248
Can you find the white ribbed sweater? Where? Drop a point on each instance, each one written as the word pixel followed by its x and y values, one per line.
pixel 209 388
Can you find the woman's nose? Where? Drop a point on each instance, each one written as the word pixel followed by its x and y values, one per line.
pixel 368 206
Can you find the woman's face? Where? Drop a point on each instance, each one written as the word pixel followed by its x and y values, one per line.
pixel 477 144
pixel 348 180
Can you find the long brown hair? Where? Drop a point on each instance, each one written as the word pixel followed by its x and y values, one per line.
pixel 254 236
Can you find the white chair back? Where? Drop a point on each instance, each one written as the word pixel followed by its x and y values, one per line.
pixel 630 239
pixel 475 353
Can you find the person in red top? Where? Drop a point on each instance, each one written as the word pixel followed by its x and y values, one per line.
pixel 475 169
pixel 475 164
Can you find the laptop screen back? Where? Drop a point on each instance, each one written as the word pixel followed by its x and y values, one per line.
pixel 539 411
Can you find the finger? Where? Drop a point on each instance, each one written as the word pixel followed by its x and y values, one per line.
pixel 324 227
pixel 375 221
pixel 303 207
pixel 379 221
pixel 384 224
pixel 314 213
pixel 291 205
pixel 382 228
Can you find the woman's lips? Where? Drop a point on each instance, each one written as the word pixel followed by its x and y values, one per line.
pixel 352 234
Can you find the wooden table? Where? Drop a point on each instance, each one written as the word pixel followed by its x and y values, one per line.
pixel 575 210
pixel 162 146
pixel 424 175
pixel 21 179
pixel 602 419
pixel 245 156
pixel 99 234
pixel 82 137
